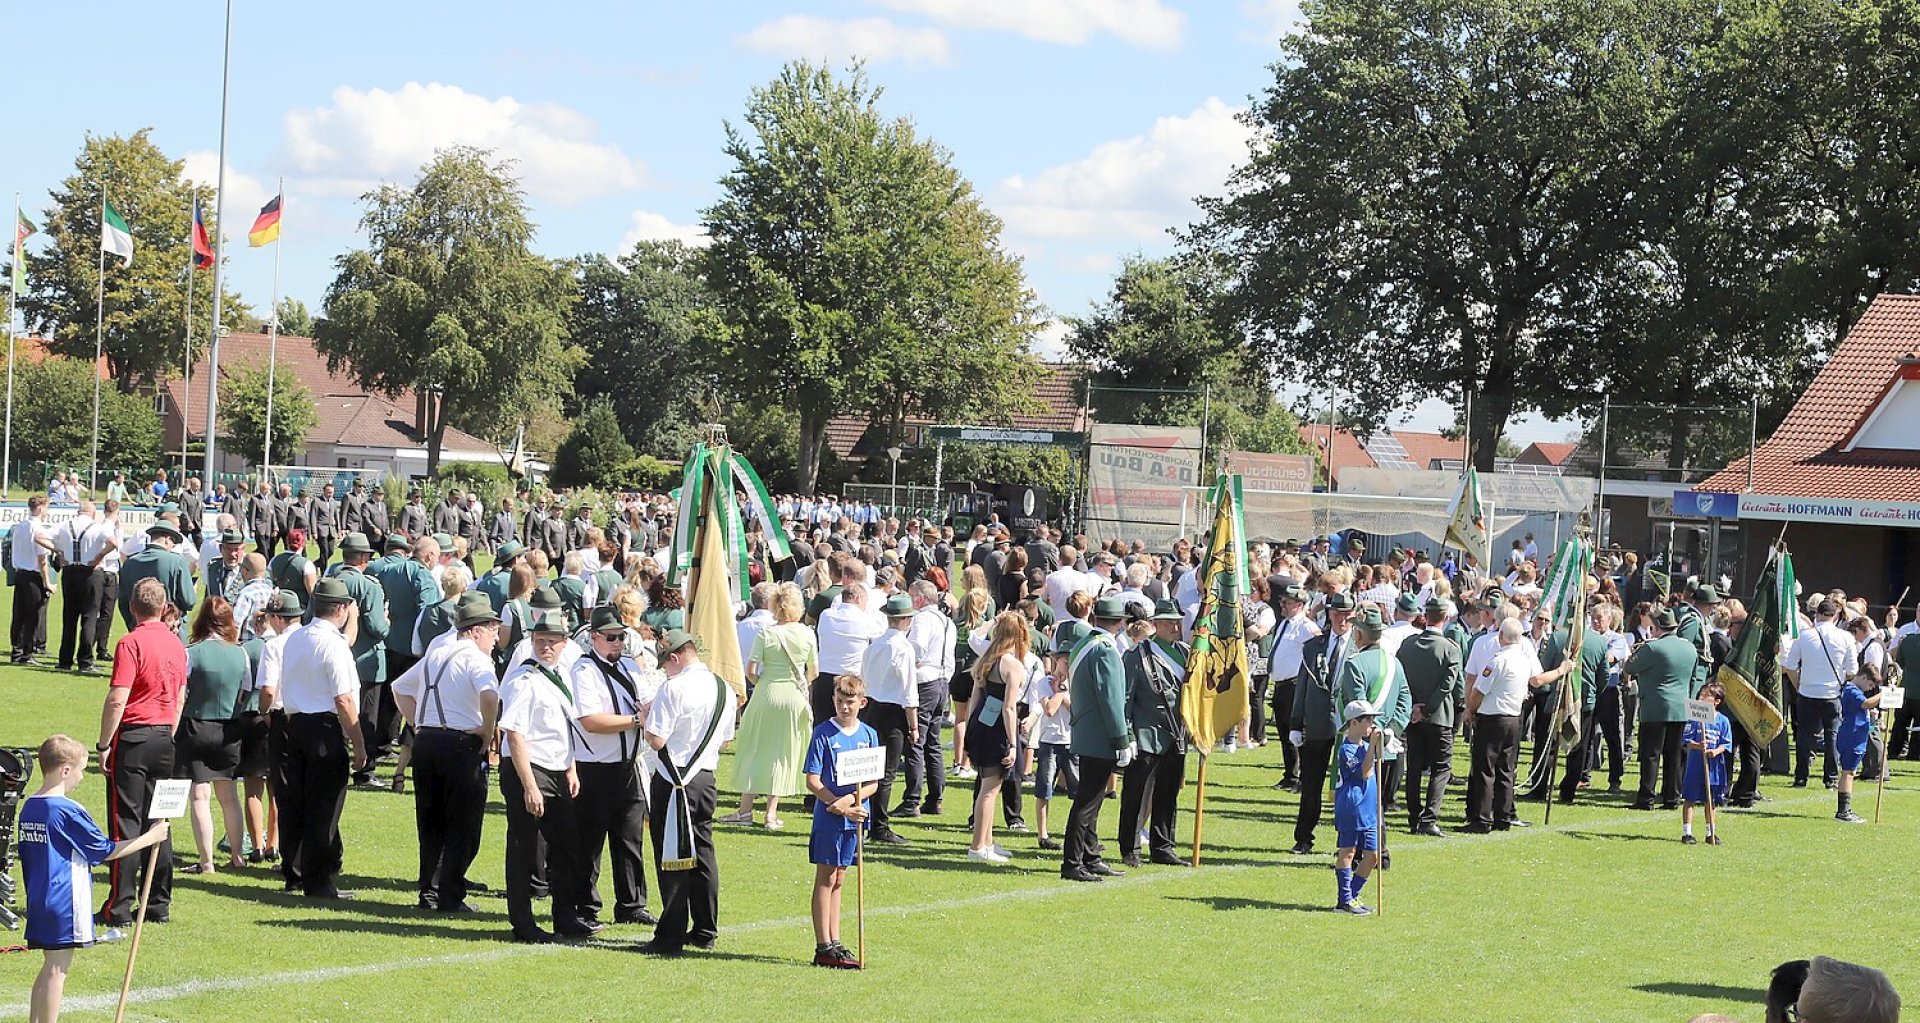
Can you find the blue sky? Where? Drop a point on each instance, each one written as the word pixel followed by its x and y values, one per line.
pixel 1088 125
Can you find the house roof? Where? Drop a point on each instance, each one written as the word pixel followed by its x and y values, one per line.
pixel 35 349
pixel 1058 391
pixel 1805 457
pixel 345 414
pixel 1546 453
pixel 1348 452
pixel 1425 449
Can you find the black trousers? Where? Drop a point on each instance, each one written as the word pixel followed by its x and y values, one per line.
pixel 1814 724
pixel 689 899
pixel 1429 760
pixel 29 612
pixel 1660 761
pixel 926 762
pixel 1575 768
pixel 890 721
pixel 326 543
pixel 612 808
pixel 1901 742
pixel 1282 710
pixel 109 606
pixel 1316 757
pixel 1746 763
pixel 79 616
pixel 1609 712
pixel 1496 756
pixel 1082 842
pixel 558 826
pixel 142 756
pixel 1257 709
pixel 449 809
pixel 1163 773
pixel 310 787
pixel 1392 775
pixel 820 698
pixel 379 721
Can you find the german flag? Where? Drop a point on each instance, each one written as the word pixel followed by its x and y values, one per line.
pixel 266 226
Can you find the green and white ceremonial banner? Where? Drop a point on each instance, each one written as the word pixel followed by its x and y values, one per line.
pixel 115 237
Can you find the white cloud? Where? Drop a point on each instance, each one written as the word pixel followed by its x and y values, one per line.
pixel 1130 189
pixel 1050 344
pixel 245 193
pixel 821 39
pixel 649 226
pixel 1273 18
pixel 1140 22
pixel 390 135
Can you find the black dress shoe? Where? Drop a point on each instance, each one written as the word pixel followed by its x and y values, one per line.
pixel 1430 830
pixel 643 917
pixel 904 810
pixel 583 929
pixel 1642 806
pixel 1477 829
pixel 703 942
pixel 1101 868
pixel 657 948
pixel 1302 849
pixel 462 906
pixel 1131 859
pixel 332 895
pixel 888 838
pixel 533 937
pixel 1516 823
pixel 1050 844
pixel 1078 874
pixel 930 809
pixel 1169 860
pixel 159 918
pixel 427 902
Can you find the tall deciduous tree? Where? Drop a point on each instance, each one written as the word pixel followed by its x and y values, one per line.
pixel 243 413
pixel 857 272
pixel 640 322
pixel 53 419
pixel 144 304
pixel 594 451
pixel 449 301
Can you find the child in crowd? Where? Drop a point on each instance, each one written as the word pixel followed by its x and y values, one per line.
pixel 1053 710
pixel 59 843
pixel 838 814
pixel 1704 780
pixel 1850 742
pixel 1356 810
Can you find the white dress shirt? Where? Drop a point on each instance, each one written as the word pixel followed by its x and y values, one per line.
pixel 538 714
pixel 1825 656
pixel 932 635
pixel 681 712
pixel 889 668
pixel 1063 583
pixel 1289 637
pixel 1503 682
pixel 447 684
pixel 316 668
pixel 845 632
pixel 26 551
pixel 595 692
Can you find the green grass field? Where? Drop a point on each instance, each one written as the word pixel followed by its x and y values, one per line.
pixel 1603 916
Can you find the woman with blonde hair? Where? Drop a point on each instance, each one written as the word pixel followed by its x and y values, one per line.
pixel 770 751
pixel 993 726
pixel 976 609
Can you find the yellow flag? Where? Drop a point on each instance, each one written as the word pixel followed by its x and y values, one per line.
pixel 1216 695
pixel 710 616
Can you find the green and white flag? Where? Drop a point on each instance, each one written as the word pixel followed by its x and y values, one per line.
pixel 115 237
pixel 22 230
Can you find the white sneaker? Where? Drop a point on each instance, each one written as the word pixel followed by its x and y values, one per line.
pixel 993 856
pixel 1002 851
pixel 965 772
pixel 109 936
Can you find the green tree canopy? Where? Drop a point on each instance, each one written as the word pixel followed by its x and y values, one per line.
pixel 448 300
pixel 857 272
pixel 294 318
pixel 143 305
pixel 640 322
pixel 243 413
pixel 594 452
pixel 53 418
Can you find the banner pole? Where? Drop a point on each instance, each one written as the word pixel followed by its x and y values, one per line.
pixel 1199 808
pixel 139 925
pixel 860 890
pixel 1380 826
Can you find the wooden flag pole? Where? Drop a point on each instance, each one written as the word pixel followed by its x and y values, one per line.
pixel 860 890
pixel 139 925
pixel 1706 775
pixel 1380 828
pixel 1199 808
pixel 1880 790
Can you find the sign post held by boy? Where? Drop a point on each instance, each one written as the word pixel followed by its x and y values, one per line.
pixel 1892 698
pixel 860 767
pixel 169 803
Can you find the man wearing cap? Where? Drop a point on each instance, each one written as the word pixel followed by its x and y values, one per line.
pixel 577 526
pixel 1100 737
pixel 1692 617
pixel 319 688
pixel 1156 670
pixel 1664 668
pixel 1494 702
pixel 1290 636
pixel 537 726
pixel 223 573
pixel 496 582
pixel 407 579
pixel 161 562
pixel 933 637
pixel 323 521
pixel 379 718
pixel 1373 674
pixel 136 744
pixel 612 694
pixel 1592 662
pixel 1436 684
pixel 692 716
pixel 1315 716
pixel 451 698
pixel 1820 661
pixel 413 517
pixel 1406 608
pixel 889 666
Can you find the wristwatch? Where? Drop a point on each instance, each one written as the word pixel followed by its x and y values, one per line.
pixel 102 747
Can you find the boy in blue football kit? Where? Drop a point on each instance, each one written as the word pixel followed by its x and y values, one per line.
pixel 59 845
pixel 1850 743
pixel 1703 781
pixel 1355 810
pixel 838 814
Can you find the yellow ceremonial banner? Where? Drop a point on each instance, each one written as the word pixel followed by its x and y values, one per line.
pixel 1761 719
pixel 710 614
pixel 1215 698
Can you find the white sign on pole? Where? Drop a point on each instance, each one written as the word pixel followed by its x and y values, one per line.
pixel 1701 711
pixel 1893 698
pixel 169 799
pixel 859 766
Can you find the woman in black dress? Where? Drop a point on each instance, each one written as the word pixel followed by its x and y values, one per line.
pixel 993 723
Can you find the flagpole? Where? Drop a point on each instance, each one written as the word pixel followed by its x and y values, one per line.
pixel 6 447
pixel 186 378
pixel 273 341
pixel 99 335
pixel 219 264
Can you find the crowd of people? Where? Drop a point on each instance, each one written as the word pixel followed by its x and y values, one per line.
pixel 279 650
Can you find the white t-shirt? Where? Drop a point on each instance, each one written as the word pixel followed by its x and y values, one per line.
pixel 316 668
pixel 459 675
pixel 27 552
pixel 537 713
pixel 1290 635
pixel 1063 583
pixel 595 693
pixel 1503 682
pixel 845 631
pixel 681 711
pixel 1825 656
pixel 1056 727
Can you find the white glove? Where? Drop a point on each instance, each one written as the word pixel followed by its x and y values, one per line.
pixel 1297 737
pixel 1125 756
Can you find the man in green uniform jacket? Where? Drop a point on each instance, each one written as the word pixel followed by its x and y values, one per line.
pixel 1373 675
pixel 1316 715
pixel 1433 664
pixel 1663 667
pixel 410 588
pixel 158 560
pixel 1593 675
pixel 496 583
pixel 1156 671
pixel 379 717
pixel 1100 739
pixel 1692 618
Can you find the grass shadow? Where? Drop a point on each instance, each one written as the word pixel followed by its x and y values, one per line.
pixel 1757 996
pixel 409 928
pixel 1227 903
pixel 1613 836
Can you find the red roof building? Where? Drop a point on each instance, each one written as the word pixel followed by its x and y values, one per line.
pixel 1059 391
pixel 1339 449
pixel 1546 453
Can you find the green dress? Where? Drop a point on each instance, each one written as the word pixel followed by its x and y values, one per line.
pixel 770 751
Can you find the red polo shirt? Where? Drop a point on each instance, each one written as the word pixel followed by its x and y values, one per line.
pixel 151 664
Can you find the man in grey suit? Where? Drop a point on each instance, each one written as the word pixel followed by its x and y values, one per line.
pixel 323 521
pixel 1436 679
